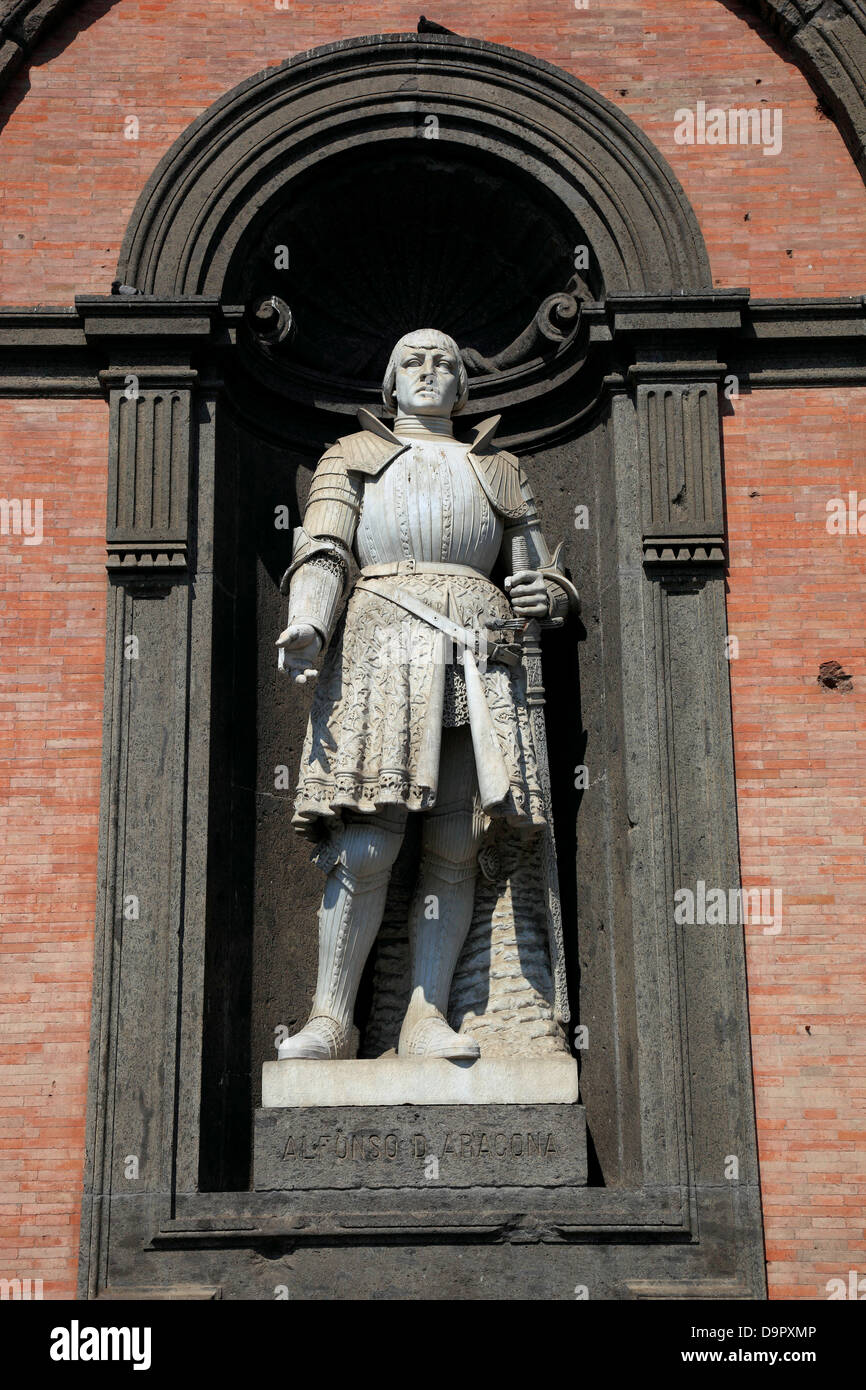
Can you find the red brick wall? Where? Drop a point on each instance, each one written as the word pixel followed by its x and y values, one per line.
pixel 797 600
pixel 52 602
pixel 790 224
pixel 72 179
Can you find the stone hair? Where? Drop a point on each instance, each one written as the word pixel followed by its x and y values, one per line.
pixel 436 339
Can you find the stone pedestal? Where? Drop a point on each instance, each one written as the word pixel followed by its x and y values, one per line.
pixel 421 1081
pixel 420 1146
pixel 418 1123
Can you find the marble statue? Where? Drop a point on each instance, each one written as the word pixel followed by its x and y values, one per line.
pixel 421 704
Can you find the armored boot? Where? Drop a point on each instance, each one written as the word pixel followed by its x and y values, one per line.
pixel 438 924
pixel 349 918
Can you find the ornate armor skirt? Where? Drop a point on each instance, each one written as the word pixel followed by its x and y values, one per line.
pixel 375 726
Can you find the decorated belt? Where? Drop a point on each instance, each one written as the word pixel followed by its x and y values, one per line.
pixel 404 567
pixel 487 642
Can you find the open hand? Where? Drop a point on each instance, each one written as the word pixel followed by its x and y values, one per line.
pixel 528 594
pixel 299 646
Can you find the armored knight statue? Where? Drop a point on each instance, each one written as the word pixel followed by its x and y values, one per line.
pixel 421 704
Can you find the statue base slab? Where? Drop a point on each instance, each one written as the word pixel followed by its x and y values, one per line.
pixel 419 1147
pixel 420 1081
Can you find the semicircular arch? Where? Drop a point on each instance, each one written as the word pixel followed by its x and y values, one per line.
pixel 244 152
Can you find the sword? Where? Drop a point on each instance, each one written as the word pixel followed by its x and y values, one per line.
pixel 535 702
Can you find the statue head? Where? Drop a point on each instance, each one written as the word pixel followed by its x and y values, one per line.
pixel 425 375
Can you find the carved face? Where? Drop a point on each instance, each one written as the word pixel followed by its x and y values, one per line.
pixel 426 379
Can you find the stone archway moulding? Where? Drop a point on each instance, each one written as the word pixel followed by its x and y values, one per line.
pixel 248 147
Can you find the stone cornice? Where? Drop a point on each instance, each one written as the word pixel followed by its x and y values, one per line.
pixel 58 351
pixel 49 350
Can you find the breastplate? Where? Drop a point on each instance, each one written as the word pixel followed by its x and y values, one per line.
pixel 428 505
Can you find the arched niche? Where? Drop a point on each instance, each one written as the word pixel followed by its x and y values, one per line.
pixel 502 165
pixel 251 145
pixel 619 414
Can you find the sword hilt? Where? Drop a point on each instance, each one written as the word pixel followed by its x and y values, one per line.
pixel 521 561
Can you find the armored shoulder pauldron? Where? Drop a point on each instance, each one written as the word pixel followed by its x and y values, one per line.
pixel 497 471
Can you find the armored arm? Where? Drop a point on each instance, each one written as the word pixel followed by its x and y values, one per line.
pixel 525 548
pixel 318 576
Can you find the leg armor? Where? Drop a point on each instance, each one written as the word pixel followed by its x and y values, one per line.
pixel 443 905
pixel 349 920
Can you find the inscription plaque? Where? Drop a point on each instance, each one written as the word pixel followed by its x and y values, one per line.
pixel 415 1146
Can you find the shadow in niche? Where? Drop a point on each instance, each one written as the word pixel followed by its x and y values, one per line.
pixel 360 276
pixel 225 1151
pixel 565 712
pixel 261 980
pixel 253 941
pixel 395 236
pixel 263 892
pixel 567 742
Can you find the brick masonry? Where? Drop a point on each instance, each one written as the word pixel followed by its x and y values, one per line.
pixel 797 600
pixel 784 225
pixel 53 647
